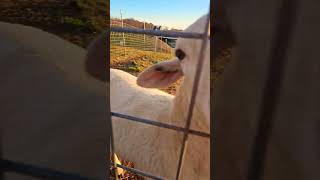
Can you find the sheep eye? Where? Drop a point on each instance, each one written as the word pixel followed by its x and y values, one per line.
pixel 180 54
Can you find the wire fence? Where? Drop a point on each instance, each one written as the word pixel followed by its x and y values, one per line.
pixel 186 130
pixel 123 44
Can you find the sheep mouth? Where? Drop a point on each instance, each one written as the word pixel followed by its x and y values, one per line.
pixel 164 70
pixel 160 68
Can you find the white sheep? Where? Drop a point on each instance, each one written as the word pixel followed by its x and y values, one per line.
pixel 154 149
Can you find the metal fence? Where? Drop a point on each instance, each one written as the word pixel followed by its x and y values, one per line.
pixel 123 44
pixel 186 130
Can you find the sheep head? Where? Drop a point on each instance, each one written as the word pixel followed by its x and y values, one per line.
pixel 184 65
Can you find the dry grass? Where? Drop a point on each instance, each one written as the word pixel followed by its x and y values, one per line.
pixel 126 174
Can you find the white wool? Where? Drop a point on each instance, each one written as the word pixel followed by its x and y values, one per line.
pixel 153 149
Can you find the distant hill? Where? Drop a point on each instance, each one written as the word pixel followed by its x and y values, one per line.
pixel 137 23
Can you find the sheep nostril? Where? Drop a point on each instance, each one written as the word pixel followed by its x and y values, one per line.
pixel 159 68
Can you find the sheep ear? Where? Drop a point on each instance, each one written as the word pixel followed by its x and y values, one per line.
pixel 96 58
pixel 160 75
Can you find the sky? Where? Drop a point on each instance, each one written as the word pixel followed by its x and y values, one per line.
pixel 171 13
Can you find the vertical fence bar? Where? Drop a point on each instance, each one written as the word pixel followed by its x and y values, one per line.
pixel 193 96
pixel 278 59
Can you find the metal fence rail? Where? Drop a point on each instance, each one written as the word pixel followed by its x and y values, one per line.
pixel 37 172
pixel 136 171
pixel 186 130
pixel 175 34
pixel 159 124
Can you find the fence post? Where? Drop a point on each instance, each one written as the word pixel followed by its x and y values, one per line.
pixel 155 44
pixel 161 44
pixel 144 36
pixel 123 39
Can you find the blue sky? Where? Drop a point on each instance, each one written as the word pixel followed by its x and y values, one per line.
pixel 171 13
